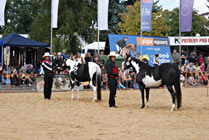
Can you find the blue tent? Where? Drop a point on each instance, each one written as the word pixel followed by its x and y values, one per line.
pixel 15 40
pixel 1 43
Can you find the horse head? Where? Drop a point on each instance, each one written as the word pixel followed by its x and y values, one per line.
pixel 127 64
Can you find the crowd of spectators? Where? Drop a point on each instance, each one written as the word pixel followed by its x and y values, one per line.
pixel 194 67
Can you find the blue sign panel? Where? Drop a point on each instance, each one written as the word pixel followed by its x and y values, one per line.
pixel 151 46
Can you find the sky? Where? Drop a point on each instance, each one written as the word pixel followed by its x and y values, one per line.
pixel 199 5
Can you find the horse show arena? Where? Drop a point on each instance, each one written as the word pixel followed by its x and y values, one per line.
pixel 28 116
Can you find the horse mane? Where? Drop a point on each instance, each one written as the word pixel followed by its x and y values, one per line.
pixel 140 63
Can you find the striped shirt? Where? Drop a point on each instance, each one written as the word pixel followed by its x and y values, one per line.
pixel 47 66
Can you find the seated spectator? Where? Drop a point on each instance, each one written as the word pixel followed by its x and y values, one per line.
pixel 202 68
pixel 79 59
pixel 59 61
pixel 31 72
pixel 5 80
pixel 127 79
pixel 190 68
pixel 197 70
pixel 15 80
pixel 204 80
pixel 24 78
pixel 184 68
pixel 71 56
pixel 191 80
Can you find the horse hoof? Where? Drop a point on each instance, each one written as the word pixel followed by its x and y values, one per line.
pixel 171 110
pixel 142 106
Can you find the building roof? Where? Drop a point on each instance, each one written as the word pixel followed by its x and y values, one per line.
pixel 15 40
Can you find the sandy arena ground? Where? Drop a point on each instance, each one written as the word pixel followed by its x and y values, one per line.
pixel 28 116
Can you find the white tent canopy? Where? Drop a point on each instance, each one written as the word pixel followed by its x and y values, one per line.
pixel 94 46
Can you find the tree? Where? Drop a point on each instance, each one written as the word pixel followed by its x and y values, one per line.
pixel 75 18
pixel 19 15
pixel 131 21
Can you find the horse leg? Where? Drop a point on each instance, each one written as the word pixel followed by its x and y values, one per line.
pixel 95 93
pixel 72 96
pixel 170 89
pixel 147 96
pixel 142 94
pixel 78 93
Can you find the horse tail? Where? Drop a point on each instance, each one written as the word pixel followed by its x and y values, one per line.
pixel 178 94
pixel 98 83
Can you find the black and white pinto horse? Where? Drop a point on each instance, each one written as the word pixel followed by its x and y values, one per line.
pixel 152 77
pixel 85 72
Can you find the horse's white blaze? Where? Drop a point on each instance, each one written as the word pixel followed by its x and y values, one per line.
pixel 136 66
pixel 150 82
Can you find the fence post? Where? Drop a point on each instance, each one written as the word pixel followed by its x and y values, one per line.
pixel 186 79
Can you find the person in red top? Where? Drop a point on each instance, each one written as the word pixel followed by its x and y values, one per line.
pixel 112 73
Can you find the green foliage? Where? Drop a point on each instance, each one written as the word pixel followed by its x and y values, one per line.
pixel 131 21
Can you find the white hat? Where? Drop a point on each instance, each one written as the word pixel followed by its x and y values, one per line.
pixel 46 54
pixel 112 54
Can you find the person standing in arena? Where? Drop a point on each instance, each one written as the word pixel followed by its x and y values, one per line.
pixel 48 75
pixel 112 72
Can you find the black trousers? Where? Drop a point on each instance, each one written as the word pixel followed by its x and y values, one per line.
pixel 112 84
pixel 48 82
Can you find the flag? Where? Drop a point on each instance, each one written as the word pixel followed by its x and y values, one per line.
pixel 146 15
pixel 103 14
pixel 54 13
pixel 186 7
pixel 2 8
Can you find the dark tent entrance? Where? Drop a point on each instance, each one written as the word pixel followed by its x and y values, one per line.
pixel 23 51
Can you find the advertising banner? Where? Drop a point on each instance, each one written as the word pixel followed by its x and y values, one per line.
pixel 146 15
pixel 151 46
pixel 189 41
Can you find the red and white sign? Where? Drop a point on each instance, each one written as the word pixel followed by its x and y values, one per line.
pixel 189 41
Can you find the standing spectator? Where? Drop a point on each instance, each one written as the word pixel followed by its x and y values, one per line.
pixel 176 58
pixel 64 55
pixel 54 56
pixel 193 57
pixel 87 58
pixel 101 53
pixel 59 62
pixel 15 80
pixel 32 74
pixel 156 60
pixel 112 72
pixel 97 59
pixel 183 57
pixel 207 69
pixel 79 58
pixel 200 60
pixel 206 62
pixel 71 56
pixel 104 78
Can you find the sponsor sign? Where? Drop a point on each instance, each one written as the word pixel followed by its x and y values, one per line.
pixel 189 41
pixel 151 46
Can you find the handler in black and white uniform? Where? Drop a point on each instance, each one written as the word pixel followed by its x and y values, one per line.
pixel 47 68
